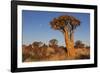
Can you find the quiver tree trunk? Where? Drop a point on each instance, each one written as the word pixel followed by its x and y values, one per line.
pixel 69 45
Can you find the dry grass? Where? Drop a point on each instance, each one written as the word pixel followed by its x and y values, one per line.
pixel 30 54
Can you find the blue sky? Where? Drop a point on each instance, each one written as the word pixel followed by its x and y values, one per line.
pixel 36 27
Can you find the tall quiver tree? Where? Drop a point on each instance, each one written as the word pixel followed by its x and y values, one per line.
pixel 66 24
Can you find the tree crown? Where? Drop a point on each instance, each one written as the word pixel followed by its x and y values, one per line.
pixel 62 21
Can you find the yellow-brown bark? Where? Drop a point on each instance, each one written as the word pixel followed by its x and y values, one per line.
pixel 69 45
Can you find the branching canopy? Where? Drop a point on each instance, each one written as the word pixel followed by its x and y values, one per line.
pixel 63 22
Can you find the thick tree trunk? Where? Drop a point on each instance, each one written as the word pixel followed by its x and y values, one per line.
pixel 69 45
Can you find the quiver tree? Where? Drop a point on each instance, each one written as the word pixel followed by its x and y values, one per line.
pixel 66 24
